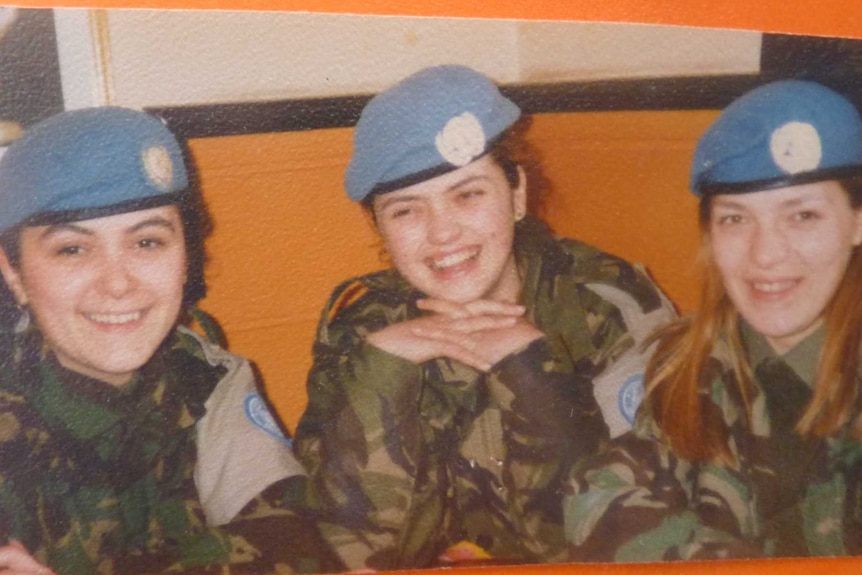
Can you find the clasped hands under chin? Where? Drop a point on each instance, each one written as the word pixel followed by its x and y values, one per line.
pixel 479 333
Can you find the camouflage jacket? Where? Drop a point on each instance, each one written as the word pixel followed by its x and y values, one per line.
pixel 638 501
pixel 406 460
pixel 98 479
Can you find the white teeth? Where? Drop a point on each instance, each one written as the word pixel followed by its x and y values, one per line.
pixel 772 287
pixel 114 318
pixel 453 259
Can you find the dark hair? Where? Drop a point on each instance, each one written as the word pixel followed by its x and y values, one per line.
pixel 197 227
pixel 514 150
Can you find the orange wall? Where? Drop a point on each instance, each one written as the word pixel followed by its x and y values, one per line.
pixel 827 17
pixel 286 234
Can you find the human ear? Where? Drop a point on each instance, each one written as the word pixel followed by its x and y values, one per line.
pixel 519 196
pixel 12 276
pixel 857 232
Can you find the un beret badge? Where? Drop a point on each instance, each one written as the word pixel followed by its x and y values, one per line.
pixel 795 147
pixel 461 140
pixel 158 167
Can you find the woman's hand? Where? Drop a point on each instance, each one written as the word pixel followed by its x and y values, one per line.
pixel 471 309
pixel 425 338
pixel 496 344
pixel 16 560
pixel 479 333
pixel 493 343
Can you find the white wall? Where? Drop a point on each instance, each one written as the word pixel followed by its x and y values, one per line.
pixel 555 51
pixel 146 58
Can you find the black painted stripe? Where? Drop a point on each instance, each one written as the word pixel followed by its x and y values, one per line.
pixel 210 120
pixel 837 62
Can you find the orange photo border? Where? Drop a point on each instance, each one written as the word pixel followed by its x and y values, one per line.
pixel 827 18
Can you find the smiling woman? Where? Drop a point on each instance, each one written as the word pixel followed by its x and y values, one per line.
pixel 783 253
pixel 103 292
pixel 451 394
pixel 124 441
pixel 749 441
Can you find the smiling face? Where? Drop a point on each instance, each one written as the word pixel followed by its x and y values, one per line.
pixel 782 254
pixel 451 236
pixel 104 292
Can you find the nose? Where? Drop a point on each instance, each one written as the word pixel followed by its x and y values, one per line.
pixel 116 280
pixel 443 226
pixel 768 245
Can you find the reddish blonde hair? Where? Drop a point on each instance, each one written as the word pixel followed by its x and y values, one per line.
pixel 678 378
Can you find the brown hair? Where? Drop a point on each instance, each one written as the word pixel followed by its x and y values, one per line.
pixel 677 375
pixel 513 150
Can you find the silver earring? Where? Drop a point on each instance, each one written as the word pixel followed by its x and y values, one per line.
pixel 23 319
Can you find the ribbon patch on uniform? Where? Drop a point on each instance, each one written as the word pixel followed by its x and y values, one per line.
pixel 258 414
pixel 630 396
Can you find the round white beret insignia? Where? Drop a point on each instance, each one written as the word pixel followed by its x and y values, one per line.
pixel 796 147
pixel 461 140
pixel 158 167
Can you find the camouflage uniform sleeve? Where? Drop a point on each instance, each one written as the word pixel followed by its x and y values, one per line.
pixel 637 501
pixel 18 504
pixel 550 420
pixel 557 396
pixel 266 537
pixel 597 311
pixel 619 386
pixel 360 440
pixel 272 535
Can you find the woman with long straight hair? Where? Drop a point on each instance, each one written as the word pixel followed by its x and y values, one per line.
pixel 749 441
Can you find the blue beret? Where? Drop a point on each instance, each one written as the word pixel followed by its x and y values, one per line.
pixel 430 123
pixel 89 163
pixel 780 134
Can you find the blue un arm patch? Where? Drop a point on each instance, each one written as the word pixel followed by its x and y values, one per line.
pixel 259 416
pixel 630 396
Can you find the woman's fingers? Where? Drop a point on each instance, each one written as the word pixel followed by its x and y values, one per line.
pixel 15 560
pixel 451 346
pixel 473 308
pixel 443 334
pixel 490 307
pixel 402 340
pixel 476 323
pixel 462 339
pixel 491 344
pixel 447 308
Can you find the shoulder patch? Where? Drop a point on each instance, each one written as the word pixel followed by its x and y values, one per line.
pixel 259 416
pixel 349 295
pixel 630 396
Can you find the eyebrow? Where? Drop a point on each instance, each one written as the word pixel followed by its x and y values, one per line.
pixel 466 181
pixel 55 229
pixel 157 221
pixel 389 200
pixel 385 201
pixel 788 203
